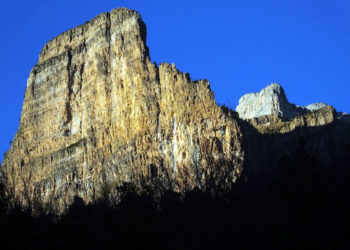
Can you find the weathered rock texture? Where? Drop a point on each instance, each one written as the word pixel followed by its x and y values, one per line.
pixel 274 124
pixel 288 140
pixel 271 106
pixel 270 100
pixel 97 113
pixel 270 112
pixel 316 106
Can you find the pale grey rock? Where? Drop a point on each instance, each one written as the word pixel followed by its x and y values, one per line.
pixel 316 106
pixel 270 100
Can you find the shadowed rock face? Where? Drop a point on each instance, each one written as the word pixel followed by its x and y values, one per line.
pixel 97 113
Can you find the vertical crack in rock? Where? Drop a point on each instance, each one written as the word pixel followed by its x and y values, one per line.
pixel 34 72
pixel 108 58
pixel 71 72
pixel 81 72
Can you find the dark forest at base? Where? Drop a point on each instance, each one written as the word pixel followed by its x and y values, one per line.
pixel 297 211
pixel 295 201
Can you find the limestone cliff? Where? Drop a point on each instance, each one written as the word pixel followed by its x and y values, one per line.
pixel 270 100
pixel 270 111
pixel 283 139
pixel 97 113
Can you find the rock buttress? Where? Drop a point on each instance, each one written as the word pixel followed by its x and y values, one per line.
pixel 98 113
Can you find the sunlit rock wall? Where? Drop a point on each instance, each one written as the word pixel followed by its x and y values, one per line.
pixel 98 113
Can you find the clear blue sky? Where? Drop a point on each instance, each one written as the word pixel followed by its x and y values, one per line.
pixel 239 46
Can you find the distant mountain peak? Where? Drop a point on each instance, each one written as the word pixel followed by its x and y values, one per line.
pixel 272 100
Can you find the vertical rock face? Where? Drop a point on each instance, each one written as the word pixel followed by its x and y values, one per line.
pixel 98 113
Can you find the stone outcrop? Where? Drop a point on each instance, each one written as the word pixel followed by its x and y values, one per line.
pixel 272 101
pixel 270 112
pixel 97 113
pixel 316 106
pixel 269 101
pixel 274 124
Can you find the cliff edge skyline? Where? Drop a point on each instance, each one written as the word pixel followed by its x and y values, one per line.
pixel 306 50
pixel 97 113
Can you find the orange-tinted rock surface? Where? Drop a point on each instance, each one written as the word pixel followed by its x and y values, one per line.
pixel 98 113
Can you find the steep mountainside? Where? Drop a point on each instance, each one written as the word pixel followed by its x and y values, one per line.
pixel 97 113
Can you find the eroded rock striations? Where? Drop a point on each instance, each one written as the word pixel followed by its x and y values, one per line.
pixel 97 113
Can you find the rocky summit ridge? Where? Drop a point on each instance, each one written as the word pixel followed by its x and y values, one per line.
pixel 272 101
pixel 97 113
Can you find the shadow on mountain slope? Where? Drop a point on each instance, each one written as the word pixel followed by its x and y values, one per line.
pixel 294 194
